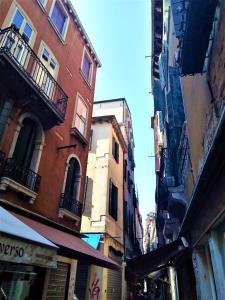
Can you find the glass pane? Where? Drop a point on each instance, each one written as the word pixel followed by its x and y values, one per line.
pixel 20 282
pixel 52 64
pixel 86 67
pixel 58 17
pixel 81 109
pixel 80 124
pixel 28 30
pixel 45 55
pixel 18 19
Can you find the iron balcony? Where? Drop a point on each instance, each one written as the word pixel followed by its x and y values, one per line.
pixel 29 82
pixel 15 176
pixel 72 205
pixel 21 175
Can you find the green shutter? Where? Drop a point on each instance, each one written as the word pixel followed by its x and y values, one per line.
pixel 115 201
pixel 110 197
pixel 113 148
pixel 90 140
pixel 25 144
pixel 85 187
pixel 117 151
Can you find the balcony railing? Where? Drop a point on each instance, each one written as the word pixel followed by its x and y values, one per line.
pixel 21 175
pixel 69 203
pixel 15 48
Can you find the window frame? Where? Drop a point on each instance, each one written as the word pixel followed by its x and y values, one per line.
pixel 42 5
pixel 10 16
pixel 113 205
pixel 88 80
pixel 62 35
pixel 75 115
pixel 26 21
pixel 43 46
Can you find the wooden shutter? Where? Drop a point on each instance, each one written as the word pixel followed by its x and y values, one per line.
pixel 90 140
pixel 113 148
pixel 117 151
pixel 115 202
pixel 85 187
pixel 110 197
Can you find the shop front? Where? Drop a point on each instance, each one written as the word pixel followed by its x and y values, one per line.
pixel 25 256
pixel 60 283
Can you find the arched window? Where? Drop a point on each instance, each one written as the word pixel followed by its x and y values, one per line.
pixel 25 144
pixel 24 157
pixel 73 179
pixel 70 197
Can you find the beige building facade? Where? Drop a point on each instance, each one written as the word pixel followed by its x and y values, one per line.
pixel 103 213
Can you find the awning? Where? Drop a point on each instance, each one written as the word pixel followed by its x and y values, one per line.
pixel 92 239
pixel 157 259
pixel 72 245
pixel 19 243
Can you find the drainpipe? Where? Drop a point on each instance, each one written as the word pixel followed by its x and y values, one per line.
pixel 5 113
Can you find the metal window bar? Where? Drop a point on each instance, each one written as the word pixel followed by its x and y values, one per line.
pixel 15 46
pixel 71 204
pixel 23 176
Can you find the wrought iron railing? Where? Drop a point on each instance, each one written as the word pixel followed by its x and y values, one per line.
pixel 23 176
pixel 16 47
pixel 183 156
pixel 2 161
pixel 69 203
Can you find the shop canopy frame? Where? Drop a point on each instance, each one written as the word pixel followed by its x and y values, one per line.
pixel 70 245
pixel 158 259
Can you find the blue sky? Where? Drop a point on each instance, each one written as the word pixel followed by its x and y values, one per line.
pixel 121 35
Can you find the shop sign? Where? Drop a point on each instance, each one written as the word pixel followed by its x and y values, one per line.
pixel 12 250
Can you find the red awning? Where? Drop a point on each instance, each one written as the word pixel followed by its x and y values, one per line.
pixel 77 248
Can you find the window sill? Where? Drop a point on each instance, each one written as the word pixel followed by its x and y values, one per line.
pixel 66 213
pixel 75 132
pixel 85 79
pixel 62 39
pixel 9 183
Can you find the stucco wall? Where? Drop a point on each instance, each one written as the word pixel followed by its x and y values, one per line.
pixel 197 102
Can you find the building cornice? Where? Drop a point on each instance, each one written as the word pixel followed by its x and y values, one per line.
pixel 82 31
pixel 113 121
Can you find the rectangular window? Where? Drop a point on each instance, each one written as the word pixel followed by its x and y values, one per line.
pixel 115 150
pixel 87 67
pixel 22 25
pixel 42 2
pixel 113 200
pixel 18 19
pixel 59 18
pixel 81 116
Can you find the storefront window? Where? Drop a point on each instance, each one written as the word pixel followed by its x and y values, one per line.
pixel 21 282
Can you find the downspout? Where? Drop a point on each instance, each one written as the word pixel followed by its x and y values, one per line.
pixel 5 113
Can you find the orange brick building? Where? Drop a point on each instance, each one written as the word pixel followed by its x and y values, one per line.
pixel 47 79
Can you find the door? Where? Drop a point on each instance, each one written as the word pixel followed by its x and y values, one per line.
pixel 46 74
